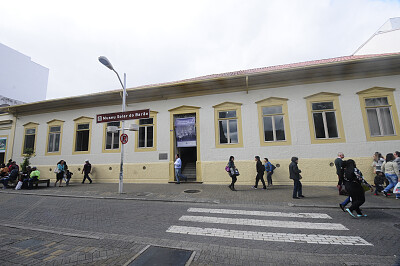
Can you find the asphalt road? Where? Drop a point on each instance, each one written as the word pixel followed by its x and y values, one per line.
pixel 58 231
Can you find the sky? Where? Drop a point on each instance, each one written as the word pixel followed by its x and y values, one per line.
pixel 162 41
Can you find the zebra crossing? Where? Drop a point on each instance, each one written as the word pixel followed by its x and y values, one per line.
pixel 204 215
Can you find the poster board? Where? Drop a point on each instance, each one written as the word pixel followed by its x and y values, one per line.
pixel 185 132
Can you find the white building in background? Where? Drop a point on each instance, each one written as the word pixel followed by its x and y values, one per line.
pixel 384 40
pixel 21 79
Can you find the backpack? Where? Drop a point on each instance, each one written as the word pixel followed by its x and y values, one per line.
pixel 273 167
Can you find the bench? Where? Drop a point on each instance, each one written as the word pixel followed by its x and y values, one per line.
pixel 40 181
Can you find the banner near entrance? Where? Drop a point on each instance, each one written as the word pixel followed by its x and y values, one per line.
pixel 3 144
pixel 130 115
pixel 185 130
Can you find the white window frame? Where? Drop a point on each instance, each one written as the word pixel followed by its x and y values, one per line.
pixel 228 127
pixel 324 120
pixel 378 112
pixel 145 126
pixel 273 123
pixel 112 139
pixel 54 139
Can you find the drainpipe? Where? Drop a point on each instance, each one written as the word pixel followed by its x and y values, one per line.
pixel 13 127
pixel 247 84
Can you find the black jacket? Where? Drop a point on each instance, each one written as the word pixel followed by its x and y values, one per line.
pixel 294 170
pixel 260 167
pixel 339 167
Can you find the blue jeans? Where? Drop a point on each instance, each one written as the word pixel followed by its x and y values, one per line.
pixel 5 181
pixel 346 201
pixel 297 190
pixel 392 181
pixel 178 174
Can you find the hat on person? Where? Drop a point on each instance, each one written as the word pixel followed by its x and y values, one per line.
pixel 86 160
pixel 34 168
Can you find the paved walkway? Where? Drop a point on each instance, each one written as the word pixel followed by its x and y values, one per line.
pixel 316 196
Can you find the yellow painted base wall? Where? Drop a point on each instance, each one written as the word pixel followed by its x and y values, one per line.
pixel 314 172
pixel 133 173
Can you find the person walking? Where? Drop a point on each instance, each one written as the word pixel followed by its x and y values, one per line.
pixel 339 172
pixel 353 178
pixel 60 173
pixel 260 172
pixel 391 170
pixel 294 172
pixel 87 167
pixel 269 168
pixel 178 169
pixel 232 173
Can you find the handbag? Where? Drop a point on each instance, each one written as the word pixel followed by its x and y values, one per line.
pixel 396 189
pixel 56 170
pixel 237 172
pixel 19 185
pixel 227 168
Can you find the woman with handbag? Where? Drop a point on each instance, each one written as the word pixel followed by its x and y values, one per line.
pixel 60 173
pixel 353 179
pixel 233 173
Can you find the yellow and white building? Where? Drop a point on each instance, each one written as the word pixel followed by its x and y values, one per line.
pixel 311 110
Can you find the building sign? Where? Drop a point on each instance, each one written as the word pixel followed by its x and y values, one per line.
pixel 3 144
pixel 113 117
pixel 185 130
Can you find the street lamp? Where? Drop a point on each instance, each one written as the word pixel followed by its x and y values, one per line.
pixel 108 64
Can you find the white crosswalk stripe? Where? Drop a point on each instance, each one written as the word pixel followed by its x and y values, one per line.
pixel 275 237
pixel 262 213
pixel 265 236
pixel 265 223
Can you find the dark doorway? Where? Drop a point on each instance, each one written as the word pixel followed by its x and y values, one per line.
pixel 2 157
pixel 189 157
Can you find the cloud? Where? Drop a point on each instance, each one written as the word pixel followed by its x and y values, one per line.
pixel 160 41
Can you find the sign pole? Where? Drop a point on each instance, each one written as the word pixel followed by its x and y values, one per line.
pixel 121 167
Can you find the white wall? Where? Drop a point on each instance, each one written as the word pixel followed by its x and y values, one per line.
pixel 20 78
pixel 355 145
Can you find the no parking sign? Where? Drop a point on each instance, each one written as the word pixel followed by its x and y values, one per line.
pixel 124 138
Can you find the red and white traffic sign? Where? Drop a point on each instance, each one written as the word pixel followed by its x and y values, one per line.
pixel 124 138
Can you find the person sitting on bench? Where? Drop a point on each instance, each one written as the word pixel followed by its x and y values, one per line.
pixel 11 177
pixel 34 176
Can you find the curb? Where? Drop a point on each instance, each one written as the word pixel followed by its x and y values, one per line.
pixel 337 206
pixel 113 198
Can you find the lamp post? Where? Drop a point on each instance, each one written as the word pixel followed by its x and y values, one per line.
pixel 108 64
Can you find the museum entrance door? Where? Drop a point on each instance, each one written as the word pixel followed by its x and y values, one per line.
pixel 185 143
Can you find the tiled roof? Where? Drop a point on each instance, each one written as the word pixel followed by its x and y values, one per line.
pixel 274 68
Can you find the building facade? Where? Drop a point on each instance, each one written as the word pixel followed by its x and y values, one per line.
pixel 21 78
pixel 311 110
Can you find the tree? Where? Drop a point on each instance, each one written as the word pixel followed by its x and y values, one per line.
pixel 27 156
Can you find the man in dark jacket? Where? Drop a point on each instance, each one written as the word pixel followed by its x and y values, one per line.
pixel 86 171
pixel 339 171
pixel 260 173
pixel 294 172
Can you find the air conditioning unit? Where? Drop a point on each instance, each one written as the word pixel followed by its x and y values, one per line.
pixel 112 129
pixel 134 127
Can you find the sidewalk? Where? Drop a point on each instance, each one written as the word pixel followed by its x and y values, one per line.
pixel 316 196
